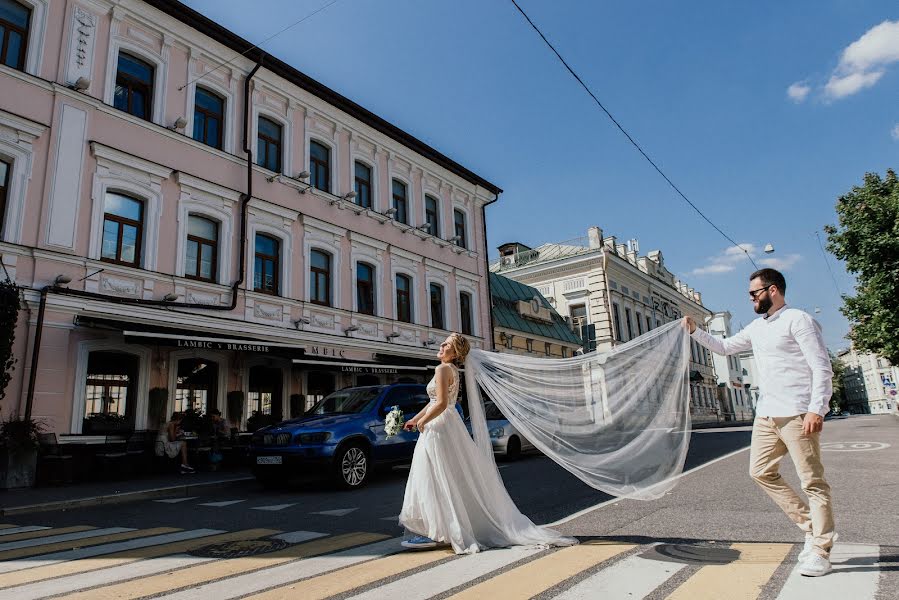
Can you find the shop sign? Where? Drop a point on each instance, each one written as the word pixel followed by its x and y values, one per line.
pixel 337 352
pixel 369 370
pixel 207 345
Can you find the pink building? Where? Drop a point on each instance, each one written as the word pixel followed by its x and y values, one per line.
pixel 197 230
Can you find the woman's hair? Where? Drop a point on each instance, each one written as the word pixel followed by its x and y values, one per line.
pixel 175 416
pixel 461 348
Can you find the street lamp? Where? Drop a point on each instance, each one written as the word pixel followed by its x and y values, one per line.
pixel 769 248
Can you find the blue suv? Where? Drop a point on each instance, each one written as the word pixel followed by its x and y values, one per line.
pixel 341 436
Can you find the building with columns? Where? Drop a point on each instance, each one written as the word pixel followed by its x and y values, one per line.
pixel 191 221
pixel 610 293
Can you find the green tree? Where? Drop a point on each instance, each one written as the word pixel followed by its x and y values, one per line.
pixel 838 397
pixel 867 240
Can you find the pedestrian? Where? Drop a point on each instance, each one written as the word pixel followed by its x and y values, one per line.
pixel 171 442
pixel 794 379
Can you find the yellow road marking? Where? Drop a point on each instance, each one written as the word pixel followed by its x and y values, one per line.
pixel 537 576
pixel 7 526
pixel 82 543
pixel 124 557
pixel 199 574
pixel 741 579
pixel 344 580
pixel 29 535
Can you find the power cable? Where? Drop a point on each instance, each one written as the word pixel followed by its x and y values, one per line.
pixel 836 287
pixel 268 39
pixel 628 136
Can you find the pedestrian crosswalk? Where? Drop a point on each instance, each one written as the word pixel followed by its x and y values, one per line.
pixel 97 563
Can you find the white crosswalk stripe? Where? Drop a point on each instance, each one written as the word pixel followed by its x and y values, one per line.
pixel 633 577
pixel 296 537
pixel 27 529
pixel 339 512
pixel 62 538
pixel 854 576
pixel 78 553
pixel 221 504
pixel 274 507
pixel 176 500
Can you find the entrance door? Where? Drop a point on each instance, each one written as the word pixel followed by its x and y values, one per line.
pixel 265 391
pixel 197 385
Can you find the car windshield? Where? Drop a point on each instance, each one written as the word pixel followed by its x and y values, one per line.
pixel 349 401
pixel 492 412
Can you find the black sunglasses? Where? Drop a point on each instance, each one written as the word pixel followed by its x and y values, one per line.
pixel 754 293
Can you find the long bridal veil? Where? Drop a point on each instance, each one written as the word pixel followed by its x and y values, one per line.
pixel 619 419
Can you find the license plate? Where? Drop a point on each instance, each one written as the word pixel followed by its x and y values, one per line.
pixel 268 460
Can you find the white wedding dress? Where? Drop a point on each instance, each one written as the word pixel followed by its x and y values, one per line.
pixel 455 495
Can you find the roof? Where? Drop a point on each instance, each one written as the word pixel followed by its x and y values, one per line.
pixel 506 293
pixel 210 28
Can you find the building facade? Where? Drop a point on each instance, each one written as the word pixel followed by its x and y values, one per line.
pixel 191 223
pixel 524 322
pixel 610 294
pixel 732 396
pixel 870 383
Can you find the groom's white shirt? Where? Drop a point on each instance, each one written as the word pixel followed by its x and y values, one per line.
pixel 794 372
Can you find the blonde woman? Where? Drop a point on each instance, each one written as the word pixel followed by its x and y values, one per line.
pixel 453 495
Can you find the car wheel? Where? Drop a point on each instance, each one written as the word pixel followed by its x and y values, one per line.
pixel 513 448
pixel 352 467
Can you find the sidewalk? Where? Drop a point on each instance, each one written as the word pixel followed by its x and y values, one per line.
pixel 61 497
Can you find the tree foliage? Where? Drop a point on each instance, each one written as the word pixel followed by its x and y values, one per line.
pixel 867 240
pixel 9 314
pixel 838 397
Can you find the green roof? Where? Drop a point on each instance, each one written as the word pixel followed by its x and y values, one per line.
pixel 506 294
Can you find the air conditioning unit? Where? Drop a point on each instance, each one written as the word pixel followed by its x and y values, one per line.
pixel 507 260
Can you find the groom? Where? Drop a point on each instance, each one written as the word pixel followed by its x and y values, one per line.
pixel 794 377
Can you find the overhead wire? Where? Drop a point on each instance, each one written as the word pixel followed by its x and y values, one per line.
pixel 259 45
pixel 629 137
pixel 836 287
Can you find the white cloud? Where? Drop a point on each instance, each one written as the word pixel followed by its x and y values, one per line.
pixel 734 257
pixel 895 132
pixel 783 263
pixel 798 91
pixel 864 61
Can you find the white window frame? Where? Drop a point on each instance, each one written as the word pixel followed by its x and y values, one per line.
pixel 375 197
pixel 286 137
pixel 447 323
pixel 142 389
pixel 334 157
pixel 284 254
pixel 37 29
pixel 470 289
pixel 468 238
pixel 228 115
pixel 428 191
pixel 410 199
pixel 204 199
pixel 322 236
pixel 219 358
pixel 118 44
pixel 414 303
pixel 17 137
pixel 376 282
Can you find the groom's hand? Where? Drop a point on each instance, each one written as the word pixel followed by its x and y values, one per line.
pixel 690 324
pixel 812 423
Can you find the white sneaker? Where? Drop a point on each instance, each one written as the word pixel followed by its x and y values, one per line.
pixel 808 547
pixel 815 566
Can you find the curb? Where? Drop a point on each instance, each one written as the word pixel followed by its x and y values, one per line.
pixel 175 490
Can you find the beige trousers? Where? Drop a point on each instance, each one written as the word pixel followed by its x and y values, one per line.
pixel 772 438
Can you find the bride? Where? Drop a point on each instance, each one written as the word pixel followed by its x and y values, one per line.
pixel 454 494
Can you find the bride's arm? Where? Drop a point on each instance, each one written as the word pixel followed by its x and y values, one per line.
pixel 434 409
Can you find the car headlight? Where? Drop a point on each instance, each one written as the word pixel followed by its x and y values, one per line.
pixel 496 432
pixel 313 438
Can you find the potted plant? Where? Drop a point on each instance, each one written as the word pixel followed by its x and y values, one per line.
pixel 158 398
pixel 258 420
pixel 235 407
pixel 105 424
pixel 19 443
pixel 194 421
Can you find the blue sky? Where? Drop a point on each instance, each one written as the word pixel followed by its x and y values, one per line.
pixel 763 113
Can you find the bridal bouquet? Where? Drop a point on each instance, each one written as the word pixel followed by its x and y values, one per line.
pixel 393 424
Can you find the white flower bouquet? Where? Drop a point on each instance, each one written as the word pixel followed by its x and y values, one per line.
pixel 393 423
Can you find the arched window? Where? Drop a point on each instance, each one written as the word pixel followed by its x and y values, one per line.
pixel 134 86
pixel 267 266
pixel 437 320
pixel 363 185
pixel 320 166
pixel 122 230
pixel 268 145
pixel 209 118
pixel 459 228
pixel 400 202
pixel 365 288
pixel 465 310
pixel 201 258
pixel 431 218
pixel 5 169
pixel 404 298
pixel 111 386
pixel 14 22
pixel 320 277
pixel 196 384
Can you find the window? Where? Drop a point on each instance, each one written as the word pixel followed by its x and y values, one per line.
pixel 365 288
pixel 202 248
pixel 363 185
pixel 465 310
pixel 616 322
pixel 530 344
pixel 437 307
pixel 122 230
pixel 459 228
pixel 134 86
pixel 404 298
pixel 564 352
pixel 5 169
pixel 197 383
pixel 265 274
pixel 400 202
pixel 431 216
pixel 630 327
pixel 320 166
pixel 509 339
pixel 639 318
pixel 209 118
pixel 14 20
pixel 578 314
pixel 111 384
pixel 547 348
pixel 648 323
pixel 320 278
pixel 268 145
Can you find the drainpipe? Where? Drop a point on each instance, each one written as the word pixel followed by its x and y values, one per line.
pixel 36 352
pixel 249 195
pixel 492 345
